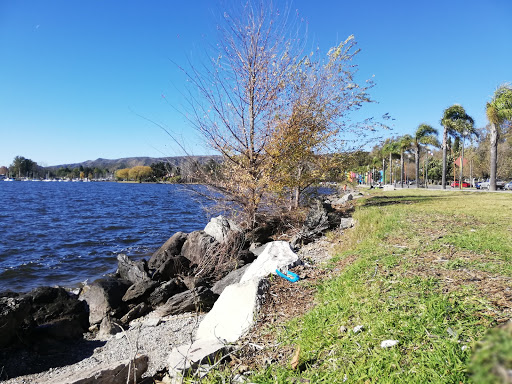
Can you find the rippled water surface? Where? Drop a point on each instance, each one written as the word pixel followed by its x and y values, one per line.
pixel 60 233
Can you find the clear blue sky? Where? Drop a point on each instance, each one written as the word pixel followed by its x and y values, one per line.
pixel 74 75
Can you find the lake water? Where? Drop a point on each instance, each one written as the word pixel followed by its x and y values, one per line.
pixel 62 233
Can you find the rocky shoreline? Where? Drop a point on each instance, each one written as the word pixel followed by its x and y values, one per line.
pixel 142 311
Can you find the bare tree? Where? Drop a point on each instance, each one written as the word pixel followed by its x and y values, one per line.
pixel 267 108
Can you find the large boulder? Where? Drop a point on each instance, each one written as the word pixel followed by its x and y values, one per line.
pixel 171 248
pixel 231 278
pixel 197 246
pixel 166 290
pixel 220 228
pixel 276 255
pixel 139 291
pixel 199 299
pixel 234 312
pixel 133 271
pixel 172 267
pixel 57 314
pixel 103 296
pixel 13 311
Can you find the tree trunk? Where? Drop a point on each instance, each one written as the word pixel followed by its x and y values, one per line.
pixel 401 169
pixel 383 171
pixel 445 139
pixel 417 164
pixel 390 168
pixel 493 156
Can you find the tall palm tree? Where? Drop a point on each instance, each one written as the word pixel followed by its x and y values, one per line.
pixel 498 110
pixel 424 135
pixel 404 143
pixel 453 119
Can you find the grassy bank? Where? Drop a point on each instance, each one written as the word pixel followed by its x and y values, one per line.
pixel 428 269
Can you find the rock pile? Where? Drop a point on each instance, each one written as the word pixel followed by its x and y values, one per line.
pixel 183 275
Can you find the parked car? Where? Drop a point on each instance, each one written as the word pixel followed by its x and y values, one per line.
pixel 484 184
pixel 500 184
pixel 508 186
pixel 455 184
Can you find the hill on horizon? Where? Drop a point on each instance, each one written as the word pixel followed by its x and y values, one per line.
pixel 130 162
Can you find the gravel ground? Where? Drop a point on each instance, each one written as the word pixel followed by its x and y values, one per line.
pixel 154 341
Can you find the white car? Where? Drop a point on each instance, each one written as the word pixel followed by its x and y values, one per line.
pixel 500 184
pixel 508 186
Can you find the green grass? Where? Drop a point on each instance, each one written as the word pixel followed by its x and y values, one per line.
pixel 416 253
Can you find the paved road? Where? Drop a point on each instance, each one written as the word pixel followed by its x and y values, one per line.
pixel 438 187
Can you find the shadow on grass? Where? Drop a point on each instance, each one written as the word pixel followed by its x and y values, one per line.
pixel 379 201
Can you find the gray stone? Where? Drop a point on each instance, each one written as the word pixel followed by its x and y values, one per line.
pixel 197 246
pixel 107 328
pixel 171 248
pixel 136 312
pixel 140 291
pixel 199 299
pixel 346 222
pixel 231 278
pixel 102 296
pixel 126 372
pixel 172 267
pixel 220 227
pixel 133 271
pixel 166 289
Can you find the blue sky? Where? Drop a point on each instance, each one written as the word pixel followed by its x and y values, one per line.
pixel 76 75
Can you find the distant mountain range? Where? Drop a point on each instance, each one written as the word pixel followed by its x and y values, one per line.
pixel 129 162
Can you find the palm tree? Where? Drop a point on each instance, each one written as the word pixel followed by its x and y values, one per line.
pixel 454 118
pixel 498 110
pixel 424 135
pixel 404 143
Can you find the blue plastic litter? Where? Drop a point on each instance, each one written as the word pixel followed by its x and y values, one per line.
pixel 288 275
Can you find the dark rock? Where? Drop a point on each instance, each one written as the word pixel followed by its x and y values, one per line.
pixel 197 246
pixel 231 278
pixel 199 299
pixel 133 271
pixel 171 248
pixel 140 291
pixel 13 311
pixel 103 296
pixel 136 312
pixel 166 289
pixel 172 267
pixel 56 314
pixel 320 218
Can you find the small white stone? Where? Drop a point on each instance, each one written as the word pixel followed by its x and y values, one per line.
pixel 358 328
pixel 388 343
